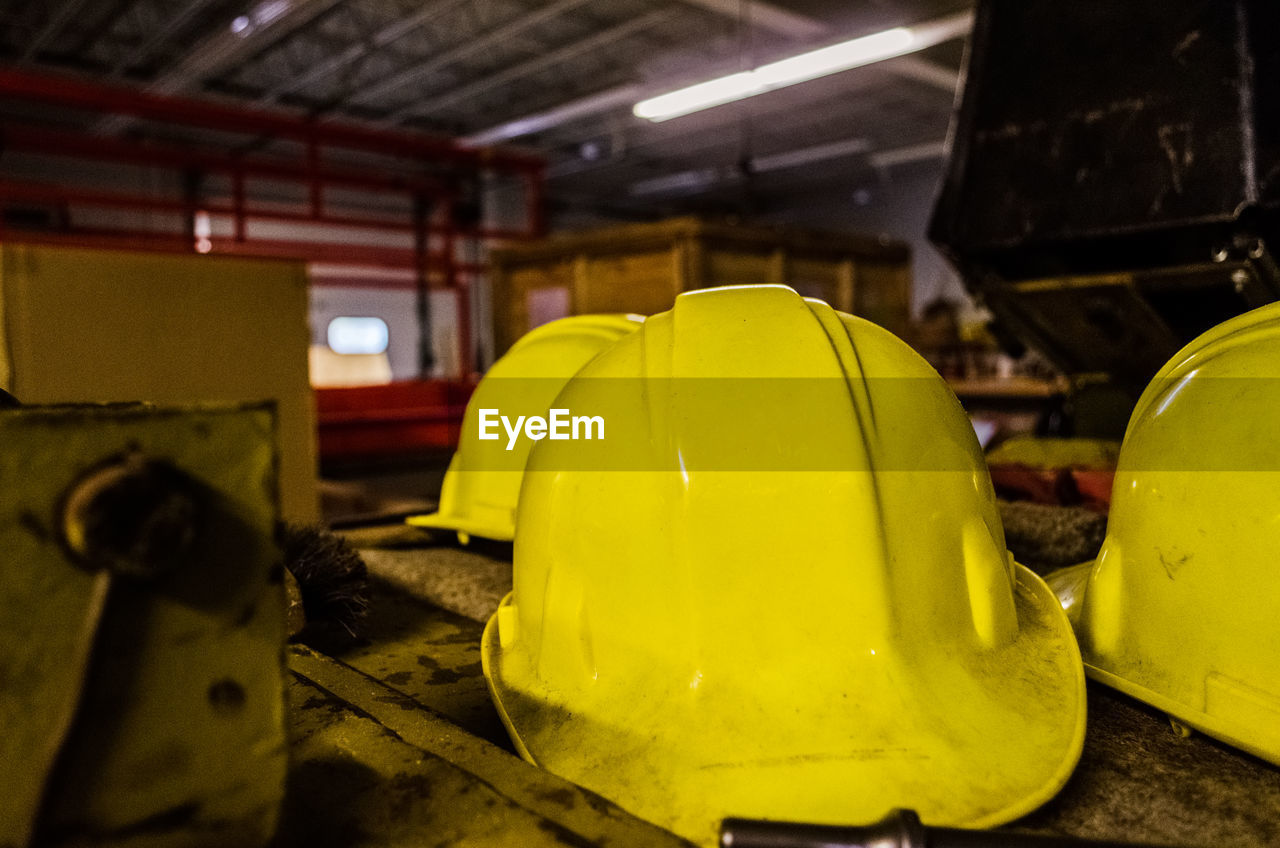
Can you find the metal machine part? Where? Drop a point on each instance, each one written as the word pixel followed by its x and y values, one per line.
pixel 133 516
pixel 141 625
pixel 1114 185
pixel 899 829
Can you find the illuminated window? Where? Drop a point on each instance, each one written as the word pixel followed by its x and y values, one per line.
pixel 357 335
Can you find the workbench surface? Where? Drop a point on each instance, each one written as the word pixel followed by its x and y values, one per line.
pixel 1137 780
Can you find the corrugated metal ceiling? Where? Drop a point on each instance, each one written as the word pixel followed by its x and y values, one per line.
pixel 466 67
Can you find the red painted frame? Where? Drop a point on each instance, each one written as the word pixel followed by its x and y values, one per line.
pixel 397 419
pixel 310 169
pixel 352 421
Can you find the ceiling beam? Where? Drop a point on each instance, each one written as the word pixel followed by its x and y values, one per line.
pixel 532 66
pixel 931 32
pixel 58 20
pixel 680 182
pixel 688 182
pixel 698 180
pixel 262 25
pixel 387 35
pixel 766 16
pixel 711 133
pixel 809 155
pixel 469 47
pixel 572 110
pixel 694 142
pixel 910 153
pixel 172 26
pixel 922 70
pixel 98 21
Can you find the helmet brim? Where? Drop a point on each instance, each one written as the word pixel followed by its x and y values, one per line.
pixel 463 526
pixel 964 743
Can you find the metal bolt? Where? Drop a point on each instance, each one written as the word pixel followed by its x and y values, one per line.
pixel 135 516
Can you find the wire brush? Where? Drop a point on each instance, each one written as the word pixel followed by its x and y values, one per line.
pixel 332 578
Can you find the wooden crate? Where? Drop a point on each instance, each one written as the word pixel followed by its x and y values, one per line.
pixel 642 267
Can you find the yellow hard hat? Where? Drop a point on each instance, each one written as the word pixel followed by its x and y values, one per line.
pixel 1179 609
pixel 478 496
pixel 731 629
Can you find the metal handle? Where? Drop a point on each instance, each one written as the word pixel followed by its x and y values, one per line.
pixel 899 829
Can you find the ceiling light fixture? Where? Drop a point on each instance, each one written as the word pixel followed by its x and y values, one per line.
pixel 822 62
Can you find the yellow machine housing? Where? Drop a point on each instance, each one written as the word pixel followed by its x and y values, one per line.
pixel 141 626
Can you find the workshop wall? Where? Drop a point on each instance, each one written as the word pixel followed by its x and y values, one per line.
pixel 898 207
pixel 398 308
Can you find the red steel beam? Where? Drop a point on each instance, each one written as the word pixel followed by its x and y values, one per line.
pixel 97 97
pixel 58 143
pixel 314 169
pixel 535 198
pixel 462 303
pixel 237 209
pixel 464 269
pixel 238 205
pixel 315 251
pixel 160 241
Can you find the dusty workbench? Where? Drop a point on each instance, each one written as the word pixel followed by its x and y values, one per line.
pixel 396 741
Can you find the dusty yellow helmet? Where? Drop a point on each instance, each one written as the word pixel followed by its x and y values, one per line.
pixel 480 490
pixel 779 588
pixel 1179 609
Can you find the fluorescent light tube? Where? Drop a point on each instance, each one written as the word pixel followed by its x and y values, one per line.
pixel 807 66
pixel 681 182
